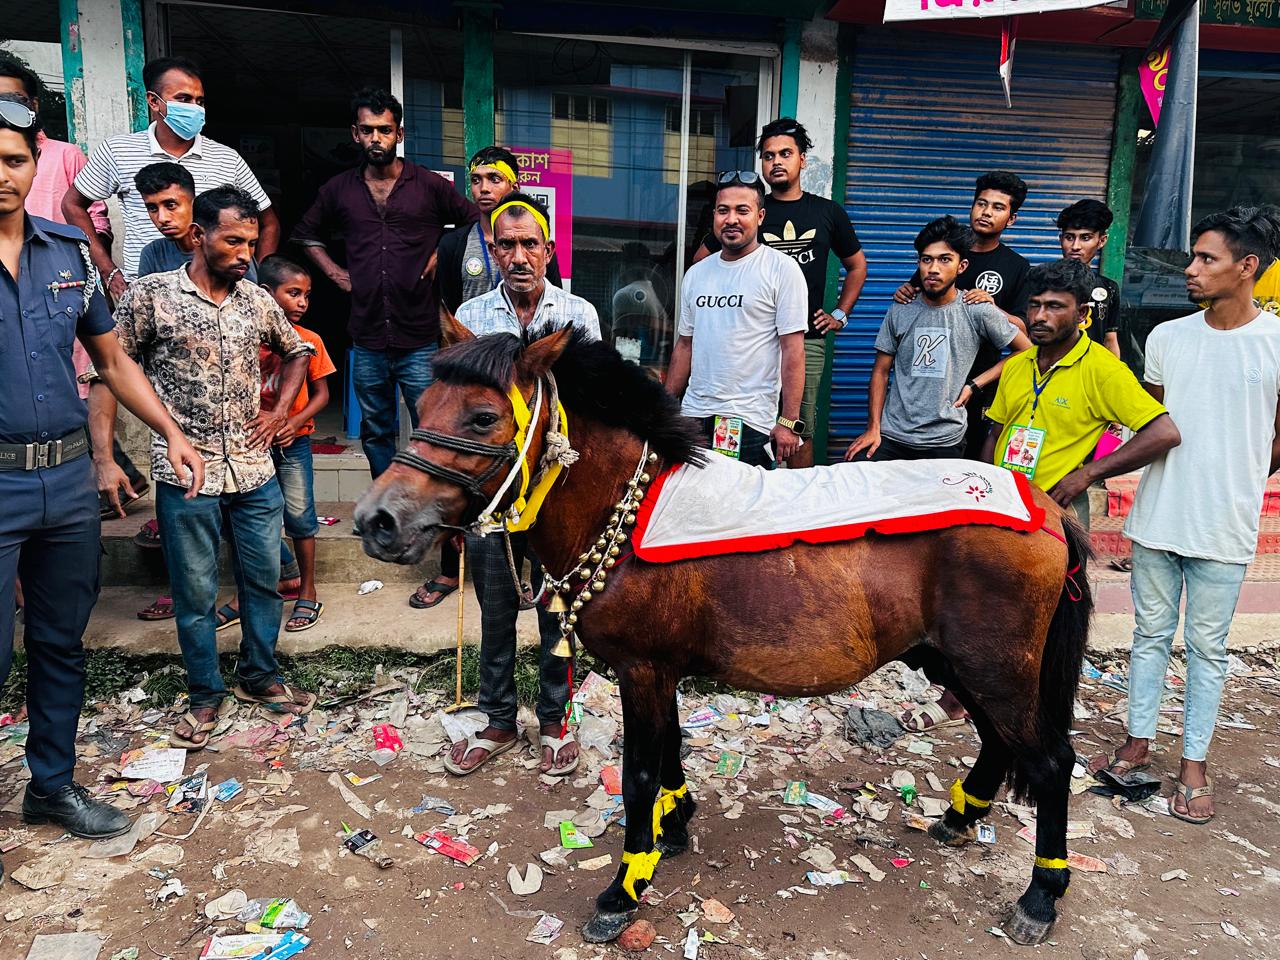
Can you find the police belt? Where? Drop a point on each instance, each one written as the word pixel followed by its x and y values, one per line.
pixel 36 456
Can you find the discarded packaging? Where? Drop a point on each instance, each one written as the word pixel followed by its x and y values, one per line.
pixel 546 929
pixel 529 883
pixel 278 914
pixel 434 804
pixel 163 765
pixel 571 838
pixel 451 847
pixel 190 794
pixel 368 587
pixel 795 793
pixel 228 789
pixel 363 843
pixel 226 906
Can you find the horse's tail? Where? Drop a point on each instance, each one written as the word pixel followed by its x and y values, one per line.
pixel 1063 651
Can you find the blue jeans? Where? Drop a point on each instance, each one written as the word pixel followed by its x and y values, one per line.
pixel 377 373
pixel 1212 589
pixel 294 474
pixel 190 531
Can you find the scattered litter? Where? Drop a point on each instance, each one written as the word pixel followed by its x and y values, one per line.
pixel 43 873
pixel 172 888
pixel 869 727
pixel 434 804
pixel 1174 875
pixel 830 878
pixel 227 790
pixel 358 806
pixel 703 717
pixel 729 764
pixel 986 833
pixel 163 765
pixel 571 838
pixel 863 863
pixel 713 911
pixel 546 930
pixel 368 587
pixel 795 793
pixel 529 883
pixel 65 946
pixel 363 843
pixel 596 863
pixel 190 794
pixel 123 845
pixel 611 780
pixel 357 781
pixel 255 946
pixel 274 846
pixel 691 944
pixel 278 914
pixel 226 906
pixel 451 847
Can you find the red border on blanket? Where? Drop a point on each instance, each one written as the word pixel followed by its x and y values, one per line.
pixel 777 541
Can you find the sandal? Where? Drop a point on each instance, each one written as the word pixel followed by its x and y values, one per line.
pixel 1120 768
pixel 198 727
pixel 308 611
pixel 495 747
pixel 914 719
pixel 228 616
pixel 278 702
pixel 149 535
pixel 160 609
pixel 1188 794
pixel 556 743
pixel 1123 564
pixel 418 601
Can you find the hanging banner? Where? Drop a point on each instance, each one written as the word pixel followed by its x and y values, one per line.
pixel 1008 41
pixel 955 9
pixel 548 175
pixel 1153 75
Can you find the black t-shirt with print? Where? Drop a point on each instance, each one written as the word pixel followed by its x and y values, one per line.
pixel 807 230
pixel 1104 298
pixel 1002 273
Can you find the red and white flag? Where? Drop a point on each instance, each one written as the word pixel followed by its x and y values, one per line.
pixel 1008 40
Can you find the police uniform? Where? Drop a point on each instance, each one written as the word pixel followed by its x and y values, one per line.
pixel 49 526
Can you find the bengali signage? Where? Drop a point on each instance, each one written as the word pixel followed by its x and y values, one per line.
pixel 548 175
pixel 1247 13
pixel 936 10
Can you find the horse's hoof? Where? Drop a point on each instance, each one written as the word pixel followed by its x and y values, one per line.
pixel 605 926
pixel 950 836
pixel 671 849
pixel 1025 929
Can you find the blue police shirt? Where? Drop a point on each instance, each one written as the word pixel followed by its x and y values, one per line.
pixel 38 326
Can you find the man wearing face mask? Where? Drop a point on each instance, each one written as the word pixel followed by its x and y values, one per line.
pixel 175 98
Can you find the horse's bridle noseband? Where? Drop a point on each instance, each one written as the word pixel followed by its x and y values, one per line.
pixel 500 453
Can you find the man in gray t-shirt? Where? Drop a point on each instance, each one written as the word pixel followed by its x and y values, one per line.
pixel 930 345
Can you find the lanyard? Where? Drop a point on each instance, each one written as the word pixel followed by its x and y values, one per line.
pixel 484 250
pixel 1038 385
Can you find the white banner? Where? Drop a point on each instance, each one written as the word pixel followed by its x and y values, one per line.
pixel 954 9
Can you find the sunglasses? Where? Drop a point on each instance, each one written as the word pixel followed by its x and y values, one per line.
pixel 17 115
pixel 746 177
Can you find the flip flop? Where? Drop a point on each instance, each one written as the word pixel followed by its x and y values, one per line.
pixel 148 535
pixel 198 727
pixel 159 609
pixel 277 702
pixel 1120 768
pixel 305 610
pixel 913 719
pixel 495 747
pixel 1188 794
pixel 228 616
pixel 431 586
pixel 556 743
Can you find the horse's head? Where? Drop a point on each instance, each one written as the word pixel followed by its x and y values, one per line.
pixel 465 448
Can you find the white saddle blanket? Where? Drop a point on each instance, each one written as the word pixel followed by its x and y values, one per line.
pixel 729 507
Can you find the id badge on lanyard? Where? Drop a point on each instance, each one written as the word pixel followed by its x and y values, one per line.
pixel 727 437
pixel 1024 442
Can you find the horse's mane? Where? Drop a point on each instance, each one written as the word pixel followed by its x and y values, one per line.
pixel 594 381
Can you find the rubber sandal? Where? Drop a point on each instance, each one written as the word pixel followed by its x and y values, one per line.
pixel 277 702
pixel 306 610
pixel 1192 793
pixel 148 535
pixel 1121 768
pixel 495 748
pixel 431 586
pixel 198 727
pixel 160 609
pixel 928 711
pixel 228 616
pixel 556 743
pixel 1123 564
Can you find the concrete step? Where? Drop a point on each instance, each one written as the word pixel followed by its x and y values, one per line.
pixel 1105 533
pixel 340 558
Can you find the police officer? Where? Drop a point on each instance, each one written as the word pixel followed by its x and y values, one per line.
pixel 49 526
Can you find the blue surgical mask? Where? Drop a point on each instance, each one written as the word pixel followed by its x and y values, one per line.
pixel 184 119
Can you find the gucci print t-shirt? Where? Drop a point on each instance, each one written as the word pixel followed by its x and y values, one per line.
pixel 1204 497
pixel 933 349
pixel 735 311
pixel 807 230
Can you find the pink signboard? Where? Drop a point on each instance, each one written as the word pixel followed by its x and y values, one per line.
pixel 1153 74
pixel 548 175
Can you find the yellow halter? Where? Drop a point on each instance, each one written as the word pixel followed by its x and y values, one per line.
pixel 523 512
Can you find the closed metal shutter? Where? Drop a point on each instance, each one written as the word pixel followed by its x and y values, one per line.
pixel 927 117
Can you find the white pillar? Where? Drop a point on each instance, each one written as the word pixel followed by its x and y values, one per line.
pixel 816 103
pixel 101 90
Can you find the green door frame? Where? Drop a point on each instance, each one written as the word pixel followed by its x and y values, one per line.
pixel 477 78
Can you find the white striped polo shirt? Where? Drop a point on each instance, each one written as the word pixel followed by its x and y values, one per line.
pixel 114 163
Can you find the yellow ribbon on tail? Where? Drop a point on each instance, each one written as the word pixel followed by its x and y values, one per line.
pixel 640 866
pixel 960 799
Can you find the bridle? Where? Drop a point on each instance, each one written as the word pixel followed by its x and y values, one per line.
pixel 523 510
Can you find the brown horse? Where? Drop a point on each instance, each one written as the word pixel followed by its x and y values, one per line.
pixel 989 612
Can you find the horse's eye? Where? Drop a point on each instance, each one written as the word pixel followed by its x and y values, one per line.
pixel 485 419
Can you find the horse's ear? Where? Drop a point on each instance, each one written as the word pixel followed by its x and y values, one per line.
pixel 539 356
pixel 451 331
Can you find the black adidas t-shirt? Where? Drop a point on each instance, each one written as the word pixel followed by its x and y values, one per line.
pixel 807 230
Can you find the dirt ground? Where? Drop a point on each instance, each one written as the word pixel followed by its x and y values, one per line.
pixel 942 903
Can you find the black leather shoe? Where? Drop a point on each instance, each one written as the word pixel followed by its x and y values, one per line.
pixel 72 808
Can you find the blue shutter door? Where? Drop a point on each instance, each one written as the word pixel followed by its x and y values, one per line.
pixel 927 117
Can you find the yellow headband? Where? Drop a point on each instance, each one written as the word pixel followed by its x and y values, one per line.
pixel 537 215
pixel 501 166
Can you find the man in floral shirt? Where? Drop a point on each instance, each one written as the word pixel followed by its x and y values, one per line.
pixel 196 332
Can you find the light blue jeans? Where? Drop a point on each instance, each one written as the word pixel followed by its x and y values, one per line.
pixel 1212 589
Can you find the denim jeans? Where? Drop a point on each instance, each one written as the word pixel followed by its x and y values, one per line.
pixel 294 474
pixel 499 606
pixel 1212 590
pixel 191 531
pixel 377 374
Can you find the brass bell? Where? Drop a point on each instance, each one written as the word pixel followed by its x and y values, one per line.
pixel 557 604
pixel 597 557
pixel 576 606
pixel 562 649
pixel 645 478
pixel 597 585
pixel 584 573
pixel 585 597
pixel 571 619
pixel 629 519
pixel 614 551
pixel 653 458
pixel 609 563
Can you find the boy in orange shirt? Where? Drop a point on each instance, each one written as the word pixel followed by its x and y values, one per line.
pixel 290 284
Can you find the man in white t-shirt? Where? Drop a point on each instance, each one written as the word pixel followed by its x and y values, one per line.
pixel 1194 523
pixel 740 345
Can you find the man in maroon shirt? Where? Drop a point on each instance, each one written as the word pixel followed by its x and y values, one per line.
pixel 391 214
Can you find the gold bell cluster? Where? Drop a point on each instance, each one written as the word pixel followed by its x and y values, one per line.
pixel 593 566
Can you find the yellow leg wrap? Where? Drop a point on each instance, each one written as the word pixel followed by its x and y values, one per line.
pixel 665 803
pixel 960 799
pixel 1051 863
pixel 640 866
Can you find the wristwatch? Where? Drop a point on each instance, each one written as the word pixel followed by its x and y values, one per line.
pixel 795 426
pixel 839 316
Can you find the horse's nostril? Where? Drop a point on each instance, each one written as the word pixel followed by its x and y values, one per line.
pixel 383 525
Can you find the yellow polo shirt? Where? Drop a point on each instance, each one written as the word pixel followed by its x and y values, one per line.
pixel 1086 390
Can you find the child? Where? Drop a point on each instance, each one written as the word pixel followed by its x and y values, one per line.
pixel 290 284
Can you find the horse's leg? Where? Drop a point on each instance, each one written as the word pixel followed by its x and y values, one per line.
pixel 674 838
pixel 646 713
pixel 971 800
pixel 1047 766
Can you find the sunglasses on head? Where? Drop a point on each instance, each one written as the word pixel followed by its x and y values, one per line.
pixel 747 178
pixel 17 114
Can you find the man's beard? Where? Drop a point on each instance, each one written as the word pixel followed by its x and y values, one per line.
pixel 378 158
pixel 938 295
